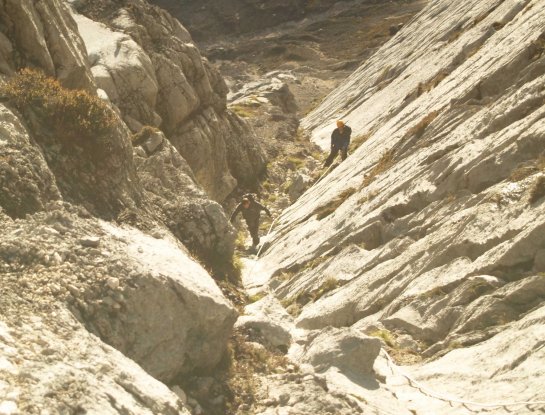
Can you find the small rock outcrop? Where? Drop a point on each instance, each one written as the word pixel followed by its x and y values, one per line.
pixel 348 350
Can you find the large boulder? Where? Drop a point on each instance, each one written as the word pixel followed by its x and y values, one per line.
pixel 51 364
pixel 269 320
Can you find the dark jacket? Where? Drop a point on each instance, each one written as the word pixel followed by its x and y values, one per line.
pixel 250 214
pixel 339 139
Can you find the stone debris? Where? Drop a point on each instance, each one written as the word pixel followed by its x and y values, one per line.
pixel 90 241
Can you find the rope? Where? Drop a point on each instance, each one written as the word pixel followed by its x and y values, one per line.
pixel 441 397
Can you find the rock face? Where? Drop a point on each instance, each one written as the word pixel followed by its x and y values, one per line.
pixel 171 87
pixel 43 35
pixel 179 202
pixel 434 226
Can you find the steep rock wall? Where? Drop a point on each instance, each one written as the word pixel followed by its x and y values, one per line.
pixel 432 228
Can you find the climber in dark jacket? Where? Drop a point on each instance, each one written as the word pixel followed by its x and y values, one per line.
pixel 250 212
pixel 340 139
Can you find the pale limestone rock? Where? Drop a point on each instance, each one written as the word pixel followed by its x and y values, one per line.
pixel 173 88
pixel 298 185
pixel 122 69
pixel 346 349
pixel 178 200
pixel 177 320
pixel 144 296
pixel 80 371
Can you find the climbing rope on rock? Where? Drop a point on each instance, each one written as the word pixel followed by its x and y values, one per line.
pixel 431 393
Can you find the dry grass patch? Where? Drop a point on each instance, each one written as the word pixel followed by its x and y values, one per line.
pixel 328 285
pixel 333 205
pixel 386 336
pixel 237 378
pixel 520 173
pixel 294 305
pixel 141 136
pixel 432 83
pixel 434 292
pixel 256 297
pixel 498 25
pixel 418 129
pixel 538 190
pixel 368 197
pixel 359 140
pixel 385 162
pixel 243 111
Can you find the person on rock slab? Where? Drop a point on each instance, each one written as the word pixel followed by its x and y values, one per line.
pixel 340 139
pixel 251 210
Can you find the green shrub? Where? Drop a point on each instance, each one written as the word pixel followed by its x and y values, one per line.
pixel 71 114
pixel 386 336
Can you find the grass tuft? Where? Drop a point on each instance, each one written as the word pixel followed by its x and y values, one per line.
pixel 538 190
pixel 243 111
pixel 359 140
pixel 385 162
pixel 333 205
pixel 431 83
pixel 386 336
pixel 418 129
pixel 141 136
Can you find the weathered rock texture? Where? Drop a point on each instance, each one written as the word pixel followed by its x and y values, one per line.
pixel 43 35
pixel 434 226
pixel 144 296
pixel 149 67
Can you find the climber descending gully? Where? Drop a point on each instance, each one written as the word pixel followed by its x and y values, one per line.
pixel 250 210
